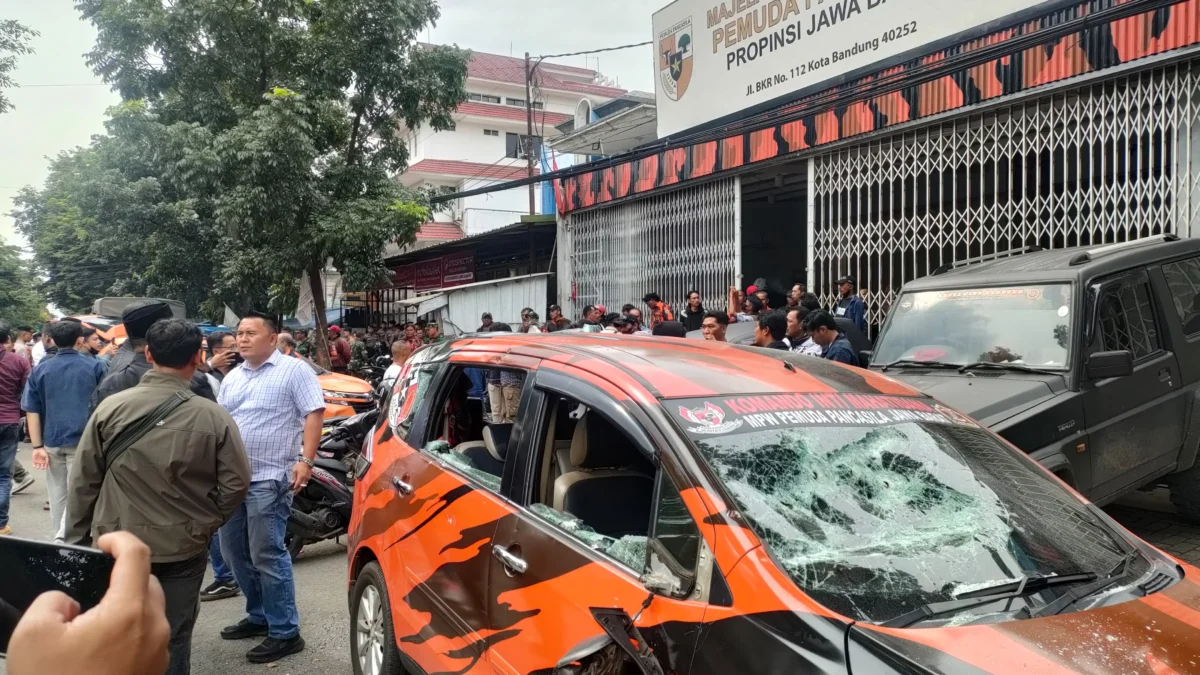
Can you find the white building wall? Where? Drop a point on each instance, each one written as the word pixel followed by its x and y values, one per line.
pixel 486 212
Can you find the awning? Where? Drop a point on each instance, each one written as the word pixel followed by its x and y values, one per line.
pixel 425 303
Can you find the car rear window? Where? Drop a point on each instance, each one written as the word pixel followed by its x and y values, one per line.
pixel 876 505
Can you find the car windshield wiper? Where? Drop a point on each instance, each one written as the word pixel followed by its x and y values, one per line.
pixel 918 363
pixel 1005 366
pixel 1075 595
pixel 1026 584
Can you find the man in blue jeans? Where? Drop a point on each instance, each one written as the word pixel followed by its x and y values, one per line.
pixel 277 404
pixel 14 371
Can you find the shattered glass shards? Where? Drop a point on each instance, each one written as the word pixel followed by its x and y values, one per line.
pixel 629 550
pixel 871 522
pixel 463 464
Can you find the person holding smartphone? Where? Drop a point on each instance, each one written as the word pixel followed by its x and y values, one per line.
pixel 129 365
pixel 127 632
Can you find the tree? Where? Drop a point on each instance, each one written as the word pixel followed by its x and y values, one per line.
pixel 125 216
pixel 301 101
pixel 14 42
pixel 20 301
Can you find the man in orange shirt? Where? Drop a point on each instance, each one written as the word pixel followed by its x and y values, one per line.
pixel 659 310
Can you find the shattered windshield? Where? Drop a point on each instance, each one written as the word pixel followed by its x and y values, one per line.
pixel 877 505
pixel 1029 325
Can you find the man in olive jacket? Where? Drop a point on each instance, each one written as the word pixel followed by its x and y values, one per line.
pixel 173 487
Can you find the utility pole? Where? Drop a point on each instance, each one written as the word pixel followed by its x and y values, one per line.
pixel 529 131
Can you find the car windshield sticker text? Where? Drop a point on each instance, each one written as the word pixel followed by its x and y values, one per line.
pixel 725 415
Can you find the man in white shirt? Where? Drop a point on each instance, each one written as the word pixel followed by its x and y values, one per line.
pixel 277 404
pixel 400 353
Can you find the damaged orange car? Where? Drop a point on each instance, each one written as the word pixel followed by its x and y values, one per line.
pixel 649 505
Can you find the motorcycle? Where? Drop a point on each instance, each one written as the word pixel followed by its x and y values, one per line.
pixel 374 372
pixel 321 510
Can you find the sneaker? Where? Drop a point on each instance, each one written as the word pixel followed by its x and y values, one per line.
pixel 273 649
pixel 219 590
pixel 5 530
pixel 20 486
pixel 242 630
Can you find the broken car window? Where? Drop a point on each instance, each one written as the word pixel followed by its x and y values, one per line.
pixel 876 505
pixel 629 550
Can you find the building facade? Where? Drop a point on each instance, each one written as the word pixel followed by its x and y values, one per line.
pixel 489 142
pixel 1075 126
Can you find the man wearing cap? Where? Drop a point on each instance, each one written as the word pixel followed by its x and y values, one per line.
pixel 339 350
pixel 850 305
pixel 129 364
pixel 557 318
pixel 485 323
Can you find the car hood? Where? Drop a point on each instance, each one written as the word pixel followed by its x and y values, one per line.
pixel 1154 635
pixel 343 383
pixel 991 400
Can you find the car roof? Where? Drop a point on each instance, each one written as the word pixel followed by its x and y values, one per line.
pixel 679 368
pixel 1056 265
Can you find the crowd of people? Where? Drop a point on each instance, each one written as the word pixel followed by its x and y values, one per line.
pixel 196 451
pixel 800 324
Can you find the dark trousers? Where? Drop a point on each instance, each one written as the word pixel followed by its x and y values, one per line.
pixel 181 583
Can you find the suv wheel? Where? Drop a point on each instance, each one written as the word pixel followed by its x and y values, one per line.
pixel 372 641
pixel 1185 493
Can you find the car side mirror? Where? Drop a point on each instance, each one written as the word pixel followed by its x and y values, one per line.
pixel 1103 365
pixel 662 583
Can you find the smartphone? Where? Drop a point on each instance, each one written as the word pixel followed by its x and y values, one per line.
pixel 236 359
pixel 31 568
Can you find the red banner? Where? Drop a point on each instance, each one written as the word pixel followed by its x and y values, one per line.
pixel 428 275
pixel 403 276
pixel 458 269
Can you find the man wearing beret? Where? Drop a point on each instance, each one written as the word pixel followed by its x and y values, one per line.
pixel 129 364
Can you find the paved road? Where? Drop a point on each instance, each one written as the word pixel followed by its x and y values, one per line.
pixel 320 578
pixel 321 574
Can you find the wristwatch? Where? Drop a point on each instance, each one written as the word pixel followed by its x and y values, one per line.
pixel 308 461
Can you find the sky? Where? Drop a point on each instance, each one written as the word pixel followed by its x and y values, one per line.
pixel 61 104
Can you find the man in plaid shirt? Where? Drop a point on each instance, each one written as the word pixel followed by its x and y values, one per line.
pixel 277 404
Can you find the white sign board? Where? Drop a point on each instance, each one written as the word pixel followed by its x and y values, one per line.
pixel 715 58
pixel 306 309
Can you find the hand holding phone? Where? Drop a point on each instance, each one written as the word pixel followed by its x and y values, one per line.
pixel 125 634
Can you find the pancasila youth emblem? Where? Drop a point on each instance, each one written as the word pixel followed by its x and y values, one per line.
pixel 675 59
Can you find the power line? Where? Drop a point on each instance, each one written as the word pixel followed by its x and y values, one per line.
pixel 594 51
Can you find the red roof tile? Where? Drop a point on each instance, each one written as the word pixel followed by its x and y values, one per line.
pixel 446 231
pixel 449 167
pixel 510 69
pixel 540 118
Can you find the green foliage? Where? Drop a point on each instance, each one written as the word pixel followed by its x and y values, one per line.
pixel 258 142
pixel 20 301
pixel 14 42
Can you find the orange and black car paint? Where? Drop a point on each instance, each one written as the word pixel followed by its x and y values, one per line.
pixel 1090 49
pixel 456 610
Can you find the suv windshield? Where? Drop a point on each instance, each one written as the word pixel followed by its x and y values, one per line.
pixel 876 505
pixel 1029 325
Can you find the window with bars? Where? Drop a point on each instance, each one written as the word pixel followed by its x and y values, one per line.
pixel 519 102
pixel 491 132
pixel 1127 318
pixel 1183 278
pixel 483 98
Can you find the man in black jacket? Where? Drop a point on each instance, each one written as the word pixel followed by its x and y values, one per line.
pixel 128 366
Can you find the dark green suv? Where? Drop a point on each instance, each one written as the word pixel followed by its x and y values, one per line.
pixel 1086 358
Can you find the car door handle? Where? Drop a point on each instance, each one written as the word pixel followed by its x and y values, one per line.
pixel 402 487
pixel 513 563
pixel 1164 375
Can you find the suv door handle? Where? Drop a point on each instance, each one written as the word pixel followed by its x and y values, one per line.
pixel 402 487
pixel 510 561
pixel 1164 375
